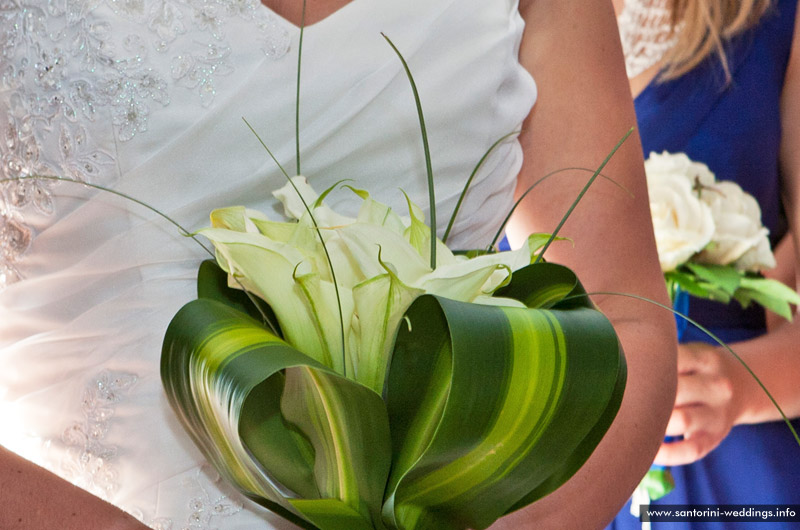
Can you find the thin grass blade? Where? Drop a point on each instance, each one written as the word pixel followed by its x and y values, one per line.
pixel 426 148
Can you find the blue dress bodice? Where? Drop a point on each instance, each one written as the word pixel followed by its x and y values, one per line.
pixel 734 127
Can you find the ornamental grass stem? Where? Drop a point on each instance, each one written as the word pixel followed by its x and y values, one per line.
pixel 469 181
pixel 581 194
pixel 297 95
pixel 180 227
pixel 715 339
pixel 532 186
pixel 426 148
pixel 184 232
pixel 297 191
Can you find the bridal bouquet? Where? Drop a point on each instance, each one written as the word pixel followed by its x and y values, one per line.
pixel 390 394
pixel 355 373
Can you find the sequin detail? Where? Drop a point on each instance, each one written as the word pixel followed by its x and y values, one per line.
pixel 205 511
pixel 89 461
pixel 79 77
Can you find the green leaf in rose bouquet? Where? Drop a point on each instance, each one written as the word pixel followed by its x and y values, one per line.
pixel 290 433
pixel 657 482
pixel 769 293
pixel 493 407
pixel 724 277
pixel 695 286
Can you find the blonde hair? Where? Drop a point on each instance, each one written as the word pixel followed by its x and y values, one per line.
pixel 703 27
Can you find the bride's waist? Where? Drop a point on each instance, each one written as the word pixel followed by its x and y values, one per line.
pixel 96 298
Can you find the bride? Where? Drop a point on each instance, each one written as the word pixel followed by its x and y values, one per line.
pixel 147 97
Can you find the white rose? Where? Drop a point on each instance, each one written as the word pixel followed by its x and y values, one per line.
pixel 679 164
pixel 683 224
pixel 740 237
pixel 758 258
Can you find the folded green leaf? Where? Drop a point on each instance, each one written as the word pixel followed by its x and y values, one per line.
pixel 212 283
pixel 504 404
pixel 274 422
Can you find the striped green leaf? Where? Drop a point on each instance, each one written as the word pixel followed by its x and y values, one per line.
pixel 287 431
pixel 504 403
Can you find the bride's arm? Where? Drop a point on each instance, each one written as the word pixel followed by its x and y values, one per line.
pixel 584 107
pixel 33 499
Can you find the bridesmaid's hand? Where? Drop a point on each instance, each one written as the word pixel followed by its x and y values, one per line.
pixel 707 404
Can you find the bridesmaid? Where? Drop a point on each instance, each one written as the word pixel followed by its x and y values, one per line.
pixel 720 81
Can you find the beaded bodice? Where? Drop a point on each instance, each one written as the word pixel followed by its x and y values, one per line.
pixel 77 86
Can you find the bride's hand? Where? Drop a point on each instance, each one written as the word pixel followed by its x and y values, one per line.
pixel 707 404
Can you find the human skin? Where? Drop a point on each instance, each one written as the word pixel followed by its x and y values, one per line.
pixel 33 499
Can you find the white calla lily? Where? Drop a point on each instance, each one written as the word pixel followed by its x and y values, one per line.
pixel 294 207
pixel 380 262
pixel 380 304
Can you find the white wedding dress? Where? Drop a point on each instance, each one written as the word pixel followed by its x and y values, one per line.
pixel 147 97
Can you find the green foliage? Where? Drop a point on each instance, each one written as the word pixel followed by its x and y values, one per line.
pixel 485 408
pixel 725 283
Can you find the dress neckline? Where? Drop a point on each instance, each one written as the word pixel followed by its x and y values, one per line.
pixel 342 11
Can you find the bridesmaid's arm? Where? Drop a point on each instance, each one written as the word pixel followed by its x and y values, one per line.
pixel 34 499
pixel 784 272
pixel 584 107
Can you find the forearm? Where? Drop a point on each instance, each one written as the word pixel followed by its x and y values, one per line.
pixel 584 107
pixel 34 498
pixel 774 359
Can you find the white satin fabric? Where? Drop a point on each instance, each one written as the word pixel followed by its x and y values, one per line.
pixel 147 97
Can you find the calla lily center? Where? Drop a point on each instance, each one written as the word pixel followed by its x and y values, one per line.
pixel 380 262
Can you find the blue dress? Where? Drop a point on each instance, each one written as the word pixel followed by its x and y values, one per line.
pixel 735 129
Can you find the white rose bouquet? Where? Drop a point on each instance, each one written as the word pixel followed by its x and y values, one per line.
pixel 711 242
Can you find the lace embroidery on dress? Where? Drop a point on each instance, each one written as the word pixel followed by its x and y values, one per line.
pixel 89 461
pixel 65 73
pixel 646 33
pixel 204 509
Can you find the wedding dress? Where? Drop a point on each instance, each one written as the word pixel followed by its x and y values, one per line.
pixel 147 97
